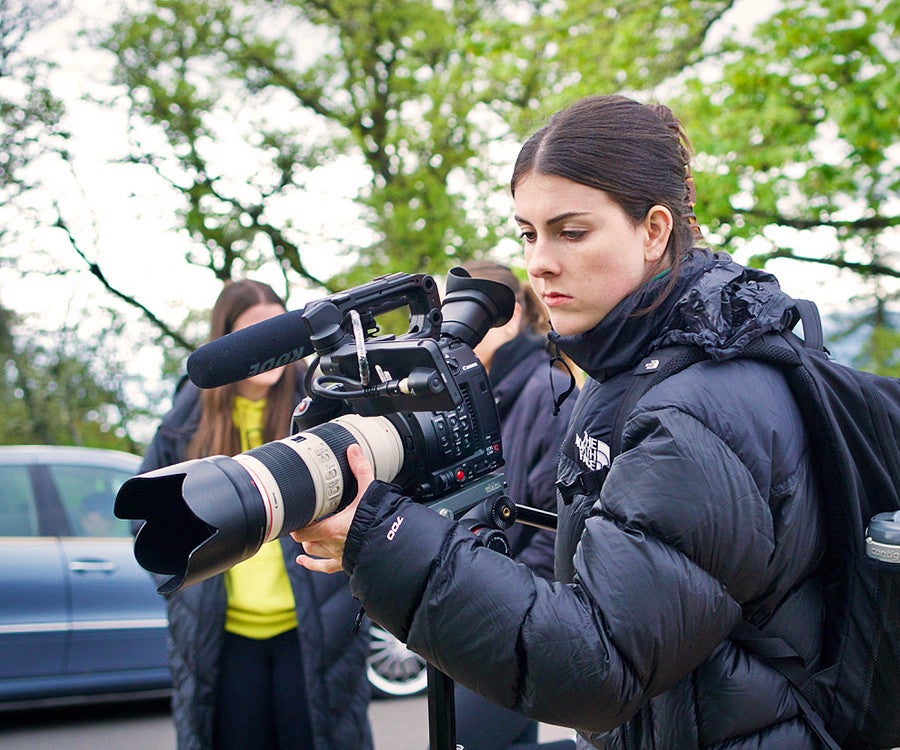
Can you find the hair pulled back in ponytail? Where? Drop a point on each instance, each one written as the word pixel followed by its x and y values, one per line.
pixel 635 153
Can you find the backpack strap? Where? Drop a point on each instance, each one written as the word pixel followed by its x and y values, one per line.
pixel 781 657
pixel 777 349
pixel 813 336
pixel 585 483
pixel 665 362
pixel 652 370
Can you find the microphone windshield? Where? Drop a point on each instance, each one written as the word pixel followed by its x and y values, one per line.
pixel 249 351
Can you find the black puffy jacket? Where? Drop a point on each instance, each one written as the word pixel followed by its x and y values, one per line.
pixel 710 511
pixel 334 653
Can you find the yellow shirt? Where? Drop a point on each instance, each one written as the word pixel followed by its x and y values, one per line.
pixel 260 600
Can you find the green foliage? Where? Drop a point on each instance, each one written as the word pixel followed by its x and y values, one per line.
pixel 58 388
pixel 795 125
pixel 583 47
pixel 30 115
pixel 873 337
pixel 398 87
pixel 797 138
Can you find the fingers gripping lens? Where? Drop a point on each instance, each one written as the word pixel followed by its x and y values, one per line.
pixel 231 506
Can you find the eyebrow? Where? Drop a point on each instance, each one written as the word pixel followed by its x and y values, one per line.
pixel 555 219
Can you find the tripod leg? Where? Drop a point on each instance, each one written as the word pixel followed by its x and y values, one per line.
pixel 441 711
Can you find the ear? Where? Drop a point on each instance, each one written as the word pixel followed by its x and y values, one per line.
pixel 515 322
pixel 658 226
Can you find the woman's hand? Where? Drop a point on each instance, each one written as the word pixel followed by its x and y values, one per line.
pixel 323 541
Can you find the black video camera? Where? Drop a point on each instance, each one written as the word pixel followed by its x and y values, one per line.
pixel 419 404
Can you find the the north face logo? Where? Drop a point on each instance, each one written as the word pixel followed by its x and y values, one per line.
pixel 593 453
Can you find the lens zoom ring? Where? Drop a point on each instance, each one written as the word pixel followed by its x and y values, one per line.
pixel 339 438
pixel 294 480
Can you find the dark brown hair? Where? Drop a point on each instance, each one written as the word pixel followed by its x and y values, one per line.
pixel 216 433
pixel 637 154
pixel 534 313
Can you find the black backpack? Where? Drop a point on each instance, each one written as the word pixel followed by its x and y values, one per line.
pixel 853 419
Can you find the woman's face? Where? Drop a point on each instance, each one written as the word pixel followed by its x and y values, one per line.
pixel 258 386
pixel 583 253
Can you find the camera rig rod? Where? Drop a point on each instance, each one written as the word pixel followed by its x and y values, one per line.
pixel 538 517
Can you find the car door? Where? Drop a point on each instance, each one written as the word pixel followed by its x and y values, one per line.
pixel 33 592
pixel 118 621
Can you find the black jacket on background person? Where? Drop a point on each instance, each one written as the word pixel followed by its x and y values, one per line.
pixel 333 654
pixel 710 508
pixel 520 379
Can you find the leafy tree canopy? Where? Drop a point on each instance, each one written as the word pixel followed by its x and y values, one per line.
pixel 797 131
pixel 242 105
pixel 30 114
pixel 399 86
pixel 57 388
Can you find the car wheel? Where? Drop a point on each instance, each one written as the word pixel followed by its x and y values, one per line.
pixel 393 670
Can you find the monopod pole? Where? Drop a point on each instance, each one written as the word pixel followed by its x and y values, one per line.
pixel 441 711
pixel 441 698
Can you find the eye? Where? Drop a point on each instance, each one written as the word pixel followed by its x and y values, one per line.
pixel 572 234
pixel 528 235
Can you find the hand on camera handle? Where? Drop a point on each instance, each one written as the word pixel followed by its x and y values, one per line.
pixel 323 541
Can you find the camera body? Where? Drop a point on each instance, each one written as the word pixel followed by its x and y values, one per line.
pixel 419 404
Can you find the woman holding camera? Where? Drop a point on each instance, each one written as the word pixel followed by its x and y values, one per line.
pixel 708 515
pixel 265 655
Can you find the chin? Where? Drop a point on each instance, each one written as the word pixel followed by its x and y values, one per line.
pixel 566 327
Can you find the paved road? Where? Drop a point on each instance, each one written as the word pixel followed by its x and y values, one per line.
pixel 397 724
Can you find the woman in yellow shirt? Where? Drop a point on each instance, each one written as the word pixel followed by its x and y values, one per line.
pixel 260 656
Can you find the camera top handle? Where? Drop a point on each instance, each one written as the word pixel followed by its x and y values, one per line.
pixel 416 371
pixel 327 319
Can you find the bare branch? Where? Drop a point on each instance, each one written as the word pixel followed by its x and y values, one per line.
pixel 98 273
pixel 876 223
pixel 864 269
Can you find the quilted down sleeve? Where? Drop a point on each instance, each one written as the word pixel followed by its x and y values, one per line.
pixel 648 604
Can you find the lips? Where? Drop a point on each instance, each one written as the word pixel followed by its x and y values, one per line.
pixel 554 299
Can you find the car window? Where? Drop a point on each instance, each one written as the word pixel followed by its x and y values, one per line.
pixel 88 494
pixel 18 515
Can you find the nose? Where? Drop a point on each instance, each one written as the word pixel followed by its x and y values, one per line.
pixel 541 258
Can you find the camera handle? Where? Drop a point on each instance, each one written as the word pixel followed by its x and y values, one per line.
pixel 492 513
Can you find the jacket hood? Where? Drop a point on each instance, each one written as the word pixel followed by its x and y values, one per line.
pixel 716 304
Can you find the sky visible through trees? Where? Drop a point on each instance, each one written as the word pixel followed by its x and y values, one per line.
pixel 106 208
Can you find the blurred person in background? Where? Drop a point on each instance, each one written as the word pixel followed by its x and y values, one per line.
pixel 265 655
